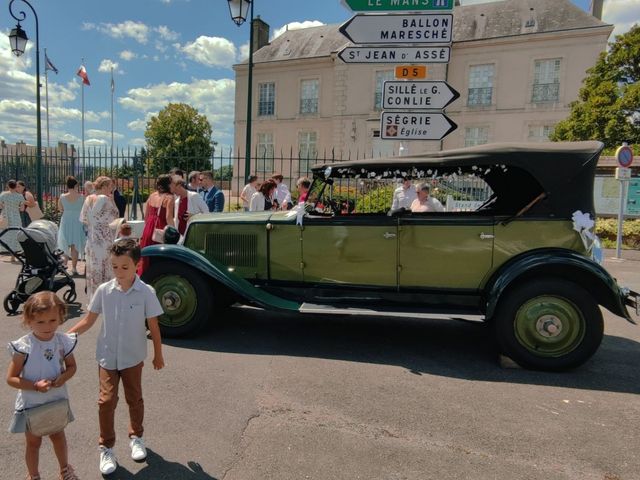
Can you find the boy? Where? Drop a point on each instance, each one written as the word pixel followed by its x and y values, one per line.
pixel 125 303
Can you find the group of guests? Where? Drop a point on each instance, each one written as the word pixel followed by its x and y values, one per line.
pixel 272 194
pixel 415 198
pixel 19 209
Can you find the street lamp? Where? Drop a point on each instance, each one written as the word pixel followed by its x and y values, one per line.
pixel 18 41
pixel 238 10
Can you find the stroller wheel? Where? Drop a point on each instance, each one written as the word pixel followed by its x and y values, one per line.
pixel 70 296
pixel 11 303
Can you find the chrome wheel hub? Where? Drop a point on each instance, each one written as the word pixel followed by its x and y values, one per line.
pixel 171 301
pixel 549 326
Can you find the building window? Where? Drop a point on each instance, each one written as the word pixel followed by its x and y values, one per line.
pixel 381 77
pixel 540 133
pixel 546 81
pixel 476 136
pixel 266 99
pixel 307 150
pixel 309 96
pixel 480 85
pixel 264 152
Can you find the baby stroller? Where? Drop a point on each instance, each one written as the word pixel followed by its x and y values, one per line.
pixel 42 264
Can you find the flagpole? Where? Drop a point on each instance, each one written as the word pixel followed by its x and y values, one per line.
pixel 83 117
pixel 46 92
pixel 112 89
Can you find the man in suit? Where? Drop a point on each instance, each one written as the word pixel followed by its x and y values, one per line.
pixel 187 204
pixel 213 197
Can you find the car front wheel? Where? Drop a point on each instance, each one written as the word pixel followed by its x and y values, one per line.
pixel 548 324
pixel 185 295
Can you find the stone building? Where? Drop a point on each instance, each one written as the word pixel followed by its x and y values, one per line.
pixel 517 64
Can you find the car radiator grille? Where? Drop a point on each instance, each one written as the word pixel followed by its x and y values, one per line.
pixel 234 250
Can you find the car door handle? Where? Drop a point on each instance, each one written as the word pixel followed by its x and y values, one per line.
pixel 486 236
pixel 389 235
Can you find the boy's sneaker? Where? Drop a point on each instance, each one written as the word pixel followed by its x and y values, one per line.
pixel 108 462
pixel 138 450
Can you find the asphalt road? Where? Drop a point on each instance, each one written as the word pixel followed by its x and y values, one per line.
pixel 264 396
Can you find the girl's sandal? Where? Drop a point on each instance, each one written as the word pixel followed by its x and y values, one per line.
pixel 67 473
pixel 32 477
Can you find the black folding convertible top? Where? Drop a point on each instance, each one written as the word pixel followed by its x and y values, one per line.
pixel 516 172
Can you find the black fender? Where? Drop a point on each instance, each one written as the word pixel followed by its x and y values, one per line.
pixel 558 263
pixel 221 274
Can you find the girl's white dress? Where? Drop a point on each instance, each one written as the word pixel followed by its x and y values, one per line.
pixel 43 360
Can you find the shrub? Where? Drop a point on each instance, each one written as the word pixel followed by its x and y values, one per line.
pixel 607 230
pixel 377 200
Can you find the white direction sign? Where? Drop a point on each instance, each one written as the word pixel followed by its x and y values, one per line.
pixel 395 54
pixel 417 95
pixel 392 29
pixel 415 126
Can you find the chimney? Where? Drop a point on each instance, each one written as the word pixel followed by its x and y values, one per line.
pixel 260 33
pixel 596 8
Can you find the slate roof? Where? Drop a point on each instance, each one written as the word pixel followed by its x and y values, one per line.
pixel 471 22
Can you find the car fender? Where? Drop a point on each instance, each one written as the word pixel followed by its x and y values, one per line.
pixel 558 263
pixel 221 274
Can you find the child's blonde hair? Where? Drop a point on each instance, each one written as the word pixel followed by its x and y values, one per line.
pixel 41 302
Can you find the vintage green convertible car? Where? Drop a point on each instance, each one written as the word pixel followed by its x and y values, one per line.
pixel 513 247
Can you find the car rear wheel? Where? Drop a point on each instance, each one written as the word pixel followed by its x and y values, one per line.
pixel 548 324
pixel 185 295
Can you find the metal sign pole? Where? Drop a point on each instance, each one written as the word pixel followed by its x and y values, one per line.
pixel 623 198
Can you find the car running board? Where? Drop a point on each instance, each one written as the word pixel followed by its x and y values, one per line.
pixel 390 312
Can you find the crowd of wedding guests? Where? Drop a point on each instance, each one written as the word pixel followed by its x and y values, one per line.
pixel 92 218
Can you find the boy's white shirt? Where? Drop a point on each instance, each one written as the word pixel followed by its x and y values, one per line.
pixel 122 341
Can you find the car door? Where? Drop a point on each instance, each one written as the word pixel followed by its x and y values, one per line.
pixel 350 249
pixel 444 250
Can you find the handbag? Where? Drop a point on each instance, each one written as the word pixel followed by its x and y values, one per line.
pixel 158 235
pixel 48 418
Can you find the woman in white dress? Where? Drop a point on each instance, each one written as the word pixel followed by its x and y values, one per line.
pixel 98 211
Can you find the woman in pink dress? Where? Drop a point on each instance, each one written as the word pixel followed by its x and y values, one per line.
pixel 159 214
pixel 98 211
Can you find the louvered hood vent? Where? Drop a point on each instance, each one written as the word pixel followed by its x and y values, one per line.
pixel 232 249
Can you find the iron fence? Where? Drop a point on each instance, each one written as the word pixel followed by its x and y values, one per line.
pixel 135 170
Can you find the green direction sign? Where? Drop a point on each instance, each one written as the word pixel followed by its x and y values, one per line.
pixel 397 5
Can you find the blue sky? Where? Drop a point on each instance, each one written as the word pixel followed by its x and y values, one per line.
pixel 162 51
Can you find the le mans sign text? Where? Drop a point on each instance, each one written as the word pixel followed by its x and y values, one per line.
pixel 397 5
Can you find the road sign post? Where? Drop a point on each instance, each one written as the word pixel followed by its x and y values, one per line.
pixel 397 5
pixel 391 54
pixel 420 28
pixel 419 95
pixel 415 126
pixel 624 155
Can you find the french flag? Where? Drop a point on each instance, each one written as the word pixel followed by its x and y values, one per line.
pixel 82 73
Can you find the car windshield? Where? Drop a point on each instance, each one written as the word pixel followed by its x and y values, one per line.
pixel 346 196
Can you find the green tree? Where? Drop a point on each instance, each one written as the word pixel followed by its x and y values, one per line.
pixel 608 108
pixel 178 137
pixel 224 173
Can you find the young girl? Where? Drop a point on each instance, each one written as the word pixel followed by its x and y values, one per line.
pixel 41 363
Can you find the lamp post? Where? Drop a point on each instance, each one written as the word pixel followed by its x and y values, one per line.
pixel 18 40
pixel 238 10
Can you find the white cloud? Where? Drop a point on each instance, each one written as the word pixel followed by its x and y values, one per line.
pixel 104 134
pixel 166 33
pixel 95 142
pixel 621 13
pixel 127 55
pixel 244 52
pixel 137 125
pixel 295 26
pixel 138 141
pixel 211 51
pixel 127 29
pixel 213 98
pixel 106 65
